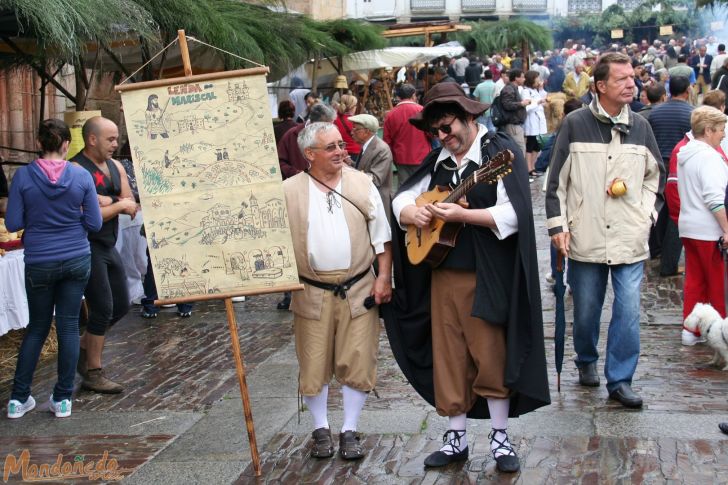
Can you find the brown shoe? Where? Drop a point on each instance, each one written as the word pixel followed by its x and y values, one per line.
pixel 97 381
pixel 82 365
pixel 350 446
pixel 323 445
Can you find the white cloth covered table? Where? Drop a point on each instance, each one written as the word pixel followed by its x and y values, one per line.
pixel 13 300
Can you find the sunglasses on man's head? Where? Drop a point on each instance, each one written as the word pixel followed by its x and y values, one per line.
pixel 445 128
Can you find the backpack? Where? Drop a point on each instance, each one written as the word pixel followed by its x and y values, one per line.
pixel 497 115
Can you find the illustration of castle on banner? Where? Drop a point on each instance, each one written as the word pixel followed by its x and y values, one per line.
pixel 208 176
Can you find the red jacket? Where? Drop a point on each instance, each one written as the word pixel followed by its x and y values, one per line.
pixel 408 144
pixel 672 196
pixel 345 126
pixel 290 158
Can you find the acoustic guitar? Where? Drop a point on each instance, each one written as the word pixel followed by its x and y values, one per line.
pixel 432 243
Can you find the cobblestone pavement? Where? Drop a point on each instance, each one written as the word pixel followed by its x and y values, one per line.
pixel 179 421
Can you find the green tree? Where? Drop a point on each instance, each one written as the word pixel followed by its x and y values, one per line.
pixel 518 33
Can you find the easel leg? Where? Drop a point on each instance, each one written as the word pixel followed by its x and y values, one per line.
pixel 240 368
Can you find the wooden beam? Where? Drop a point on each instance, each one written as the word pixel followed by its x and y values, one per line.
pixel 39 70
pixel 410 31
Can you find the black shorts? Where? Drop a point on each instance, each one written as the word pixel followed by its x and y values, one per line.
pixel 532 144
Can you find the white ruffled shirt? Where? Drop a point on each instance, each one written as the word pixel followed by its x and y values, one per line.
pixel 503 213
pixel 329 244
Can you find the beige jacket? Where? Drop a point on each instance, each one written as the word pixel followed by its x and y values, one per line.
pixel 355 186
pixel 604 229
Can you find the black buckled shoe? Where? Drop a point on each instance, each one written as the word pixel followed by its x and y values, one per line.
pixel 507 461
pixel 723 427
pixel 323 445
pixel 440 458
pixel 350 445
pixel 626 396
pixel 588 375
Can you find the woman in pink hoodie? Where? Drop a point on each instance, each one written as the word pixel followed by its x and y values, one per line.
pixel 55 203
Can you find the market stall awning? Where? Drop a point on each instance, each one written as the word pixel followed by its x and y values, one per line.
pixel 361 63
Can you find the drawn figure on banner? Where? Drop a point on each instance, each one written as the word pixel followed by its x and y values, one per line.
pixel 168 162
pixel 153 116
pixel 269 263
pixel 178 279
pixel 238 265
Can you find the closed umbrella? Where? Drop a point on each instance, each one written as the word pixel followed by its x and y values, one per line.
pixel 559 317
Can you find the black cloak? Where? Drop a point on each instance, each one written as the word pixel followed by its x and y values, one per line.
pixel 407 317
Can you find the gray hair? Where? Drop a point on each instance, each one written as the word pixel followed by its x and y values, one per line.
pixel 321 112
pixel 307 137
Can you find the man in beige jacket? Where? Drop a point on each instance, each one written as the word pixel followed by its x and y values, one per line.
pixel 603 184
pixel 339 228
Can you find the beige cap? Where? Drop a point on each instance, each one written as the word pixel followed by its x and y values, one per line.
pixel 367 121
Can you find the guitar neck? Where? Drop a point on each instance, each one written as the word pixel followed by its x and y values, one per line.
pixel 462 189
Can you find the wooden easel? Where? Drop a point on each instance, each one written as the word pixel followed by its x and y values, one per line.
pixel 226 297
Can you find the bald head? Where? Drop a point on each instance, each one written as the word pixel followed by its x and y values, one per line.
pixel 93 126
pixel 100 138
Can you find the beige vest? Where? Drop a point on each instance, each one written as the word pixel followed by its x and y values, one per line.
pixel 355 185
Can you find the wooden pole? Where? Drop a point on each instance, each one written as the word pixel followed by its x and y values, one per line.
pixel 240 367
pixel 232 321
pixel 185 52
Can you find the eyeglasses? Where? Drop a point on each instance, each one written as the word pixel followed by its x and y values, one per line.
pixel 445 128
pixel 331 147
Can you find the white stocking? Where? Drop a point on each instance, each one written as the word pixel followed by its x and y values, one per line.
pixel 317 405
pixel 499 420
pixel 456 423
pixel 353 404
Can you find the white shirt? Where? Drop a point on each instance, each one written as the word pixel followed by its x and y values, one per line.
pixel 365 145
pixel 499 85
pixel 329 244
pixel 503 213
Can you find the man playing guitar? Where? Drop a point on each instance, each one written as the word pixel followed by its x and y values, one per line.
pixel 469 334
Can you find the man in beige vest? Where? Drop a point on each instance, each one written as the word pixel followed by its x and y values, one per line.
pixel 339 227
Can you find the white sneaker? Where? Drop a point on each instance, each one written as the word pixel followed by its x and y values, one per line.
pixel 237 299
pixel 689 338
pixel 16 409
pixel 62 408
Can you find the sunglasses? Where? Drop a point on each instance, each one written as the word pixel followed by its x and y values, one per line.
pixel 331 147
pixel 445 128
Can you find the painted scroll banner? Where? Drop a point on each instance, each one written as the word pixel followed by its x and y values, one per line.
pixel 209 181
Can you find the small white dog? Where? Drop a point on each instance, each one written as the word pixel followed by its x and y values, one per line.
pixel 713 328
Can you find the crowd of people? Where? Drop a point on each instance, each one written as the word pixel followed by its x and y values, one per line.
pixel 631 139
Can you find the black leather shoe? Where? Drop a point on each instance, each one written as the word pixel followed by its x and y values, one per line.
pixel 507 464
pixel 588 375
pixel 723 427
pixel 506 459
pixel 440 458
pixel 626 396
pixel 350 446
pixel 323 445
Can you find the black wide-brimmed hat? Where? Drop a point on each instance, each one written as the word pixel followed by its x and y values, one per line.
pixel 447 92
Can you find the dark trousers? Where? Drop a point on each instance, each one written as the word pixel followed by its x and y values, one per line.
pixel 107 296
pixel 150 292
pixel 665 243
pixel 671 249
pixel 58 284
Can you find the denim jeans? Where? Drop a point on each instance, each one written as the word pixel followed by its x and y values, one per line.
pixel 588 282
pixel 59 284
